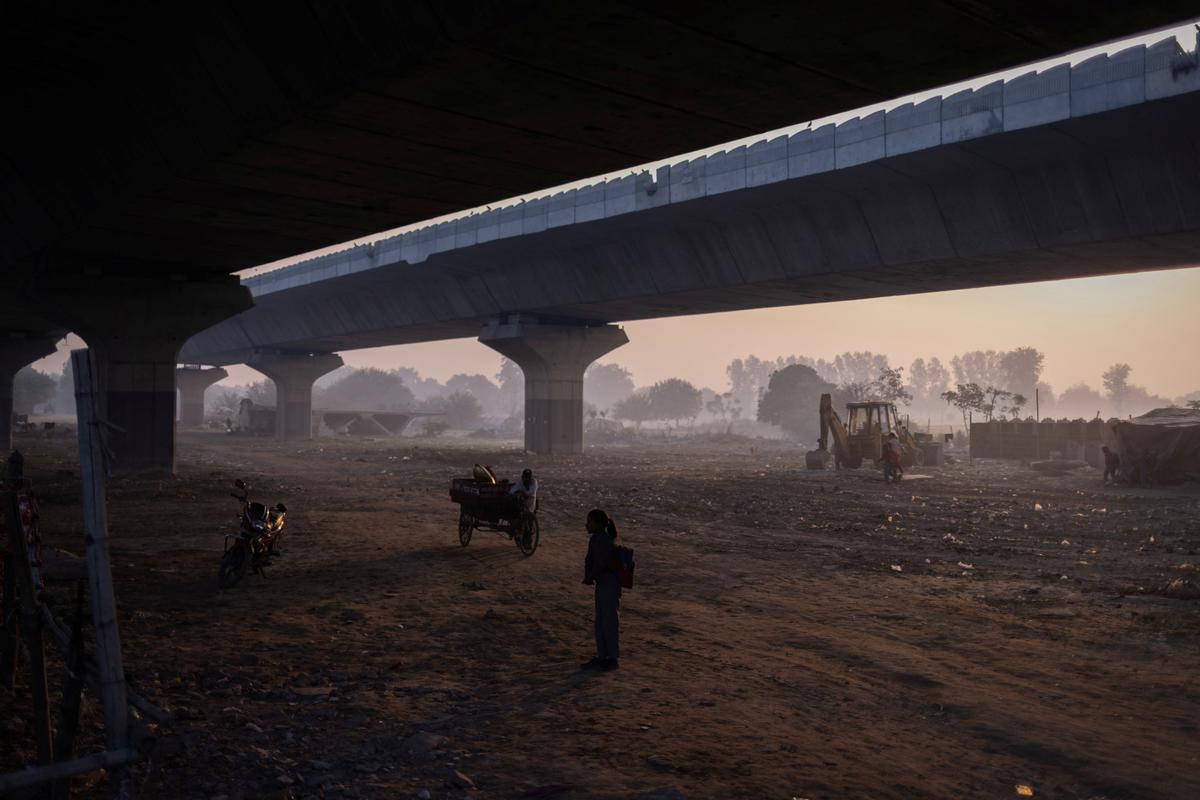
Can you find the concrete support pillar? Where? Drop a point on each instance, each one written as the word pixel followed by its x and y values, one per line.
pixel 135 323
pixel 17 350
pixel 191 382
pixel 553 357
pixel 294 375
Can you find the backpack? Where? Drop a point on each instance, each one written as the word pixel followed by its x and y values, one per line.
pixel 625 556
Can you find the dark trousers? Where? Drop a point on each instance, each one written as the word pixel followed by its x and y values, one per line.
pixel 608 608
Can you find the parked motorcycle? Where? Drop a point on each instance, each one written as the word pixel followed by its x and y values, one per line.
pixel 253 546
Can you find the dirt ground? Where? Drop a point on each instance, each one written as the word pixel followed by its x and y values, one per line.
pixel 792 634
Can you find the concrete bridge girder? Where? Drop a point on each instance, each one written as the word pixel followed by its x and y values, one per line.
pixel 192 382
pixel 1046 203
pixel 553 358
pixel 294 375
pixel 135 321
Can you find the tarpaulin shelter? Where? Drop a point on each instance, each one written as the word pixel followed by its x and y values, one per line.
pixel 1161 446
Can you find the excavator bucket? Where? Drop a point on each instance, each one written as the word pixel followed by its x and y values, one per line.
pixel 818 459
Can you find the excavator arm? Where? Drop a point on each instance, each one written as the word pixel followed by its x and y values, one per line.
pixel 831 426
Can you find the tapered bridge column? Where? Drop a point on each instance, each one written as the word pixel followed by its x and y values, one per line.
pixel 192 383
pixel 553 357
pixel 17 350
pixel 294 375
pixel 134 320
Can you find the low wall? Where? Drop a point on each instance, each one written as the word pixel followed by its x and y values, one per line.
pixel 1030 441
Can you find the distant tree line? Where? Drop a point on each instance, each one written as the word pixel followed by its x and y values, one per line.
pixel 784 392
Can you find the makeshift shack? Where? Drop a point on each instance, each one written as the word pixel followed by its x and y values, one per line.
pixel 1159 447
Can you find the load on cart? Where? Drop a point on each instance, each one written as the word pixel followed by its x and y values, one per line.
pixel 486 503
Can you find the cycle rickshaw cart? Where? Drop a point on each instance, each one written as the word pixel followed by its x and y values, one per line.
pixel 487 506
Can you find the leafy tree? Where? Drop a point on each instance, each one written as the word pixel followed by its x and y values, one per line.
pixel 889 385
pixel 966 397
pixel 512 386
pixel 938 379
pixel 1116 385
pixel 1194 404
pixel 606 384
pixel 1015 403
pixel 674 399
pixel 727 407
pixel 222 402
pixel 367 389
pixel 856 390
pixel 487 393
pixel 992 396
pixel 859 368
pixel 462 410
pixel 636 409
pixel 982 367
pixel 1022 369
pixel 1045 397
pixel 422 388
pixel 918 379
pixel 748 377
pixel 927 380
pixel 1080 400
pixel 792 400
pixel 1138 400
pixel 31 388
pixel 826 369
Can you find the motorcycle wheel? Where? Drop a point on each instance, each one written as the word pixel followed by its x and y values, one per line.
pixel 527 539
pixel 466 526
pixel 233 567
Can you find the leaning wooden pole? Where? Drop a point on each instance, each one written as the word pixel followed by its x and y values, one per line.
pixel 31 626
pixel 92 474
pixel 9 639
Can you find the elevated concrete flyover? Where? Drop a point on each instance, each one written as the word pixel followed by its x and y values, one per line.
pixel 1068 172
pixel 162 146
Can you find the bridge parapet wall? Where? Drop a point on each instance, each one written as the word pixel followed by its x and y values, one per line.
pixel 1058 92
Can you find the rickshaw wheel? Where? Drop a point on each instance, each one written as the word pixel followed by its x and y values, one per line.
pixel 466 525
pixel 527 538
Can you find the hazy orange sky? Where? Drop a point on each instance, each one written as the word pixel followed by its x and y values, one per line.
pixel 1150 320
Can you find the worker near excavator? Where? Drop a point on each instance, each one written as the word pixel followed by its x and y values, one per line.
pixel 892 470
pixel 1112 465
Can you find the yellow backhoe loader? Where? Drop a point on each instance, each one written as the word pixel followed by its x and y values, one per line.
pixel 862 437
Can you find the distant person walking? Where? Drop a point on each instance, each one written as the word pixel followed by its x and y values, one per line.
pixel 602 569
pixel 1112 465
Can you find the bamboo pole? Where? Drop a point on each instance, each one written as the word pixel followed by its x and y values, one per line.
pixel 9 643
pixel 68 720
pixel 31 628
pixel 95 534
pixel 34 776
pixel 135 700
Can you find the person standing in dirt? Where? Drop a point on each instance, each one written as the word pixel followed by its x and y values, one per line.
pixel 891 459
pixel 1112 465
pixel 602 569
